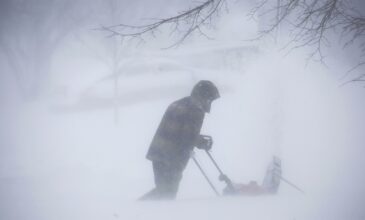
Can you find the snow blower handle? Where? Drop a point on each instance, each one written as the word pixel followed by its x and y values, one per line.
pixel 204 174
pixel 222 176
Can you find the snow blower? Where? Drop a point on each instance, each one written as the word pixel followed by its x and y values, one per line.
pixel 270 184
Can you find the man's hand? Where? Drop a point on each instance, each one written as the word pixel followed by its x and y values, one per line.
pixel 204 142
pixel 223 177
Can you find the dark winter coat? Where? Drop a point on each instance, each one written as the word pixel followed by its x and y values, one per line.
pixel 177 133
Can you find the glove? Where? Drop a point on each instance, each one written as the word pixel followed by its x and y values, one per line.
pixel 222 177
pixel 204 142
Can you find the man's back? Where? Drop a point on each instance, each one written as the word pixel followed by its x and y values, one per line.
pixel 177 132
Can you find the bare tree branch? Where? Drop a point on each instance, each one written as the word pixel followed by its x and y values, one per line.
pixel 310 22
pixel 185 23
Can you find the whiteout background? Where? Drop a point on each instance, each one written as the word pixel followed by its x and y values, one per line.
pixel 65 157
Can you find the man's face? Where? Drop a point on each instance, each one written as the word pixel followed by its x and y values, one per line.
pixel 207 104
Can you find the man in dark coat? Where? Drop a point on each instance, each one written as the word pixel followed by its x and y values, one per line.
pixel 176 136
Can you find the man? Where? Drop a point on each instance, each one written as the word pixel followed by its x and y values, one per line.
pixel 176 136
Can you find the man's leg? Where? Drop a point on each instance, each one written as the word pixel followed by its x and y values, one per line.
pixel 155 192
pixel 167 180
pixel 148 196
pixel 171 183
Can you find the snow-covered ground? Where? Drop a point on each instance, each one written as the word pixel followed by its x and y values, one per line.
pixel 80 164
pixel 65 157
